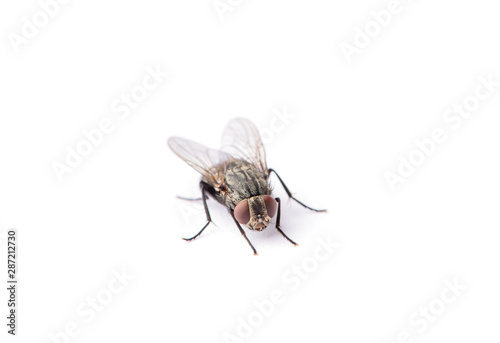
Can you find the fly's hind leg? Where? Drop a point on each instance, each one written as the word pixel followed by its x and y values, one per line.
pixel 278 226
pixel 204 197
pixel 191 199
pixel 290 193
pixel 243 233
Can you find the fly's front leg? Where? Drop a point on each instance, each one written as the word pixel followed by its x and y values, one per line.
pixel 243 233
pixel 204 197
pixel 278 225
pixel 290 193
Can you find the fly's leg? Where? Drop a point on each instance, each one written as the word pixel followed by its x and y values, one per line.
pixel 278 226
pixel 243 233
pixel 191 199
pixel 204 197
pixel 290 193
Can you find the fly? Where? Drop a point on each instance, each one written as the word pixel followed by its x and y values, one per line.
pixel 237 177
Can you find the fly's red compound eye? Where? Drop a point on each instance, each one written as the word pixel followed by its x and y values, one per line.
pixel 271 205
pixel 242 212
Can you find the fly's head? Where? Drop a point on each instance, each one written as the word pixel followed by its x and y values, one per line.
pixel 256 212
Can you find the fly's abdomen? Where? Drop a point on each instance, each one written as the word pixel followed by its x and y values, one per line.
pixel 244 181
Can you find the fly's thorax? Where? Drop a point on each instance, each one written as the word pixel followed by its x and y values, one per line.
pixel 244 180
pixel 256 212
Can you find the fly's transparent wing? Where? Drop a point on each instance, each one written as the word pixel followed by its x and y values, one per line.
pixel 205 160
pixel 242 140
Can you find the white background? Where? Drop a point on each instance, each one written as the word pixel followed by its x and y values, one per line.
pixel 117 209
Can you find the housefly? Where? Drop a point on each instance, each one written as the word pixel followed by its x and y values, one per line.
pixel 236 176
